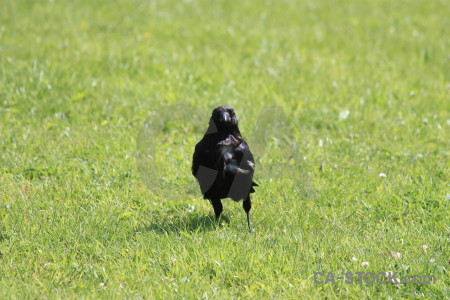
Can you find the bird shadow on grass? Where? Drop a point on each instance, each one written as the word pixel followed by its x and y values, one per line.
pixel 184 223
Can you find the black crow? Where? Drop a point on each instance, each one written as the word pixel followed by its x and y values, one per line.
pixel 223 164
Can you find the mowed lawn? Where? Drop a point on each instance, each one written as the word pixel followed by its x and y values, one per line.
pixel 346 105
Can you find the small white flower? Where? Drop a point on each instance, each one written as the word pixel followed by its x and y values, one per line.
pixel 344 115
pixel 424 248
pixel 391 278
pixel 173 260
pixel 354 259
pixel 382 175
pixel 432 260
pixel 365 264
pixel 191 208
pixel 396 255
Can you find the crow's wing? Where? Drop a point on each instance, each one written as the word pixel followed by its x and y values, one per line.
pixel 203 165
pixel 236 167
pixel 247 163
pixel 245 157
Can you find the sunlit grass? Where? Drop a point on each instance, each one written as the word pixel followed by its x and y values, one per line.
pixel 364 89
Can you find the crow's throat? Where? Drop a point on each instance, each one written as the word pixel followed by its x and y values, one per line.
pixel 223 129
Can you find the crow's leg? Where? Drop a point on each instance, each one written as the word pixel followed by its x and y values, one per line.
pixel 247 206
pixel 217 205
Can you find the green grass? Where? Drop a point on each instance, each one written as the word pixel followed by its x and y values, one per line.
pixel 85 214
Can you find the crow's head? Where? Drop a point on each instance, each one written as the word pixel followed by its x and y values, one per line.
pixel 224 118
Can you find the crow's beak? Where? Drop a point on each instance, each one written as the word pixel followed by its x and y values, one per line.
pixel 225 117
